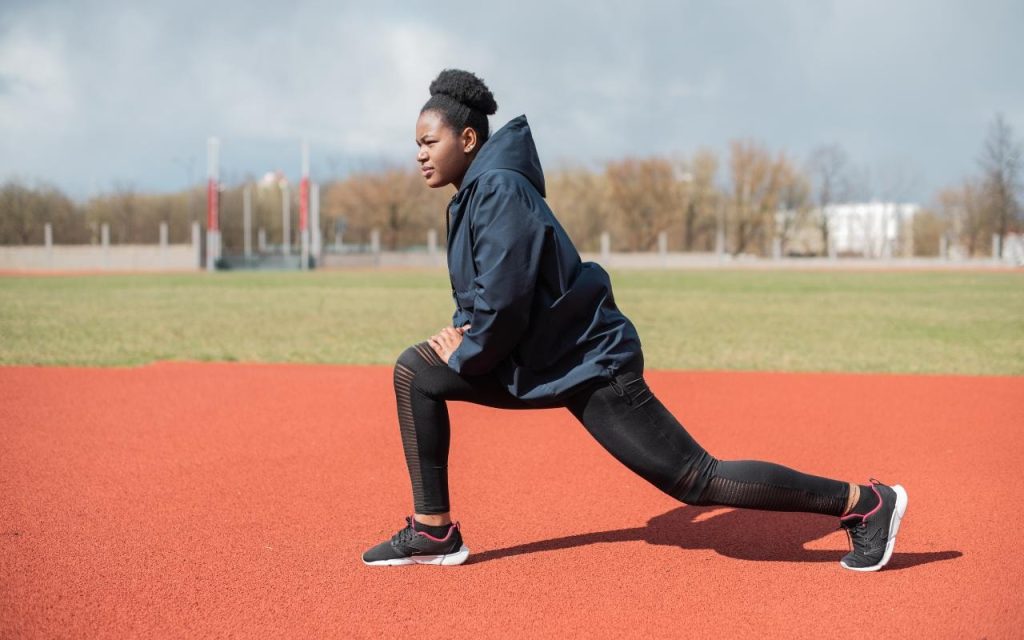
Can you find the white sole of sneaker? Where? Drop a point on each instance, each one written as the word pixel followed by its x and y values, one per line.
pixel 894 527
pixel 447 560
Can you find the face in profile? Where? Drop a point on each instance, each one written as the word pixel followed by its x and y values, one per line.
pixel 443 154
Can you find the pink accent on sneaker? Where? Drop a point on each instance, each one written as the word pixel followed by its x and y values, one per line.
pixel 453 527
pixel 873 511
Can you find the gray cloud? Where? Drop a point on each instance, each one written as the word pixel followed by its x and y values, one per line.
pixel 96 92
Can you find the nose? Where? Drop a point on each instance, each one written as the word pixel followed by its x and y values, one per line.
pixel 421 155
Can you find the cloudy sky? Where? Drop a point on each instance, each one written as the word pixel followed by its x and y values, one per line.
pixel 95 94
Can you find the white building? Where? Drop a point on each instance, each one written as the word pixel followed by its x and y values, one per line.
pixel 871 229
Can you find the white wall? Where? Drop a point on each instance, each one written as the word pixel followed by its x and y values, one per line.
pixel 175 257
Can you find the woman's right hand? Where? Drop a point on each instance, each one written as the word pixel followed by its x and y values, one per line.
pixel 447 340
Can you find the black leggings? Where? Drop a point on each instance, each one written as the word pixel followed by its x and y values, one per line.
pixel 623 415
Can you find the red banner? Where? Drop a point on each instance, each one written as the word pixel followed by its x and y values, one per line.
pixel 211 205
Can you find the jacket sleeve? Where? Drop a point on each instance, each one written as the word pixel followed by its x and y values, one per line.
pixel 507 245
pixel 461 316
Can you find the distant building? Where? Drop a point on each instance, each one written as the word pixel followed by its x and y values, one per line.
pixel 871 229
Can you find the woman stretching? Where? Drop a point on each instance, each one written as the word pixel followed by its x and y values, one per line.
pixel 536 327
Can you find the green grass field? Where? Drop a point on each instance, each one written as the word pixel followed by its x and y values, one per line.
pixel 938 322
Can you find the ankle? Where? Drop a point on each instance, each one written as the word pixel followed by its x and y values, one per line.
pixel 865 502
pixel 433 520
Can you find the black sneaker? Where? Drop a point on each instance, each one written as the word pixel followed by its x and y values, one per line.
pixel 873 534
pixel 410 546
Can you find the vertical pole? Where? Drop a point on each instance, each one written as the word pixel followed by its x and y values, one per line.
pixel 375 245
pixel 212 202
pixel 163 245
pixel 247 220
pixel 606 246
pixel 719 231
pixel 431 242
pixel 833 228
pixel 887 232
pixel 304 207
pixel 909 230
pixel 286 219
pixel 261 240
pixel 197 244
pixel 314 211
pixel 105 242
pixel 48 241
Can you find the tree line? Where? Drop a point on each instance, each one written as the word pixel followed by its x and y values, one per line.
pixel 745 200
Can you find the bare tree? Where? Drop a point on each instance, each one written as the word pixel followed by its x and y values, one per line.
pixel 963 210
pixel 645 195
pixel 1001 165
pixel 25 210
pixel 578 197
pixel 121 210
pixel 829 171
pixel 395 200
pixel 702 202
pixel 758 182
pixel 17 224
pixel 794 198
pixel 929 226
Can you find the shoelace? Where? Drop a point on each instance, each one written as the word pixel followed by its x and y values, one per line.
pixel 858 532
pixel 862 545
pixel 406 535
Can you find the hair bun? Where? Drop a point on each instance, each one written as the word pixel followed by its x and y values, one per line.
pixel 466 88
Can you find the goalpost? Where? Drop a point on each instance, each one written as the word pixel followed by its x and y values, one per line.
pixel 309 214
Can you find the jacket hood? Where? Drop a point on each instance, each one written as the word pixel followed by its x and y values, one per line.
pixel 510 147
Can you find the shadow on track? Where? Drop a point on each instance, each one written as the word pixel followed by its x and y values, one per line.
pixel 743 534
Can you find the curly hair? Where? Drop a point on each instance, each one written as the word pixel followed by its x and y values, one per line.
pixel 462 100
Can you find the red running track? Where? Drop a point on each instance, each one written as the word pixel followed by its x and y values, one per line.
pixel 199 500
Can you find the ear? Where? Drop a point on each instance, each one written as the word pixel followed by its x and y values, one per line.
pixel 468 140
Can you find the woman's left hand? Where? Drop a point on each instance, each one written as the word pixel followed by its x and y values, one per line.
pixel 446 341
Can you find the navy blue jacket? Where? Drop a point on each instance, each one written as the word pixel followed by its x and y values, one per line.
pixel 543 321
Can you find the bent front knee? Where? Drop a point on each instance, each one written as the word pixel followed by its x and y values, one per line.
pixel 411 358
pixel 418 356
pixel 693 481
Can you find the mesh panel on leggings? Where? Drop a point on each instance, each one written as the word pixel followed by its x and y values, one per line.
pixel 404 376
pixel 403 394
pixel 429 354
pixel 757 495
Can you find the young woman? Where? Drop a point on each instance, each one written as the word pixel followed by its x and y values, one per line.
pixel 535 327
